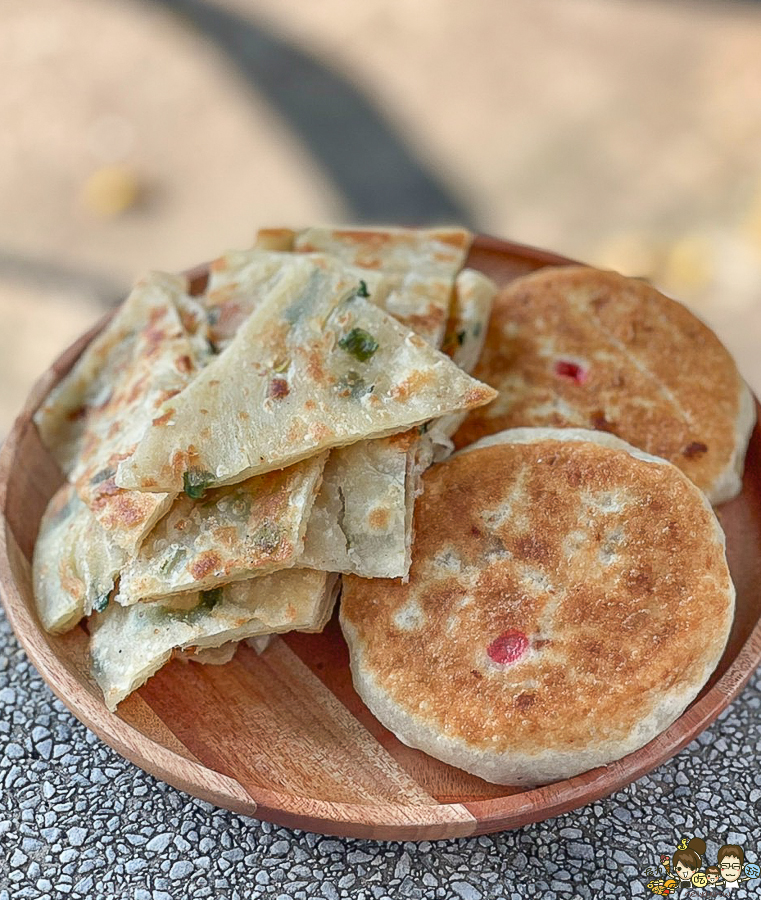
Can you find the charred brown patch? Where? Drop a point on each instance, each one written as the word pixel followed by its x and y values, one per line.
pixel 694 449
pixel 532 548
pixel 278 389
pixel 184 364
pixel 75 414
pixel 525 701
pixel 162 420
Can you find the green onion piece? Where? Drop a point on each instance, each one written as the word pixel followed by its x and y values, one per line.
pixel 353 383
pixel 171 562
pixel 209 599
pixel 359 344
pixel 102 476
pixel 100 603
pixel 195 482
pixel 362 290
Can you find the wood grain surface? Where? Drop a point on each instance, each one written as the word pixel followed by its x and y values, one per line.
pixel 283 736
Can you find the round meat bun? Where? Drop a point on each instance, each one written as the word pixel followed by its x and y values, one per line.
pixel 569 596
pixel 577 347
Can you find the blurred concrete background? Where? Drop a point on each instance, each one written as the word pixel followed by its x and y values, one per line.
pixel 156 134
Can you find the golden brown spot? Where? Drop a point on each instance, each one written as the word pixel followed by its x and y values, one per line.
pixel 479 395
pixel 378 518
pixel 314 366
pixel 412 385
pixel 243 415
pixel 206 563
pixel 162 420
pixel 297 431
pixel 185 364
pixel 310 404
pixel 227 535
pixel 319 431
pixel 426 322
pixel 72 585
pixel 125 509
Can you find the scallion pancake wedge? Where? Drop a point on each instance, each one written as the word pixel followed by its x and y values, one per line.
pixel 129 644
pixel 466 332
pixel 315 366
pixel 361 521
pixel 419 263
pixel 229 534
pixel 95 417
pixel 74 563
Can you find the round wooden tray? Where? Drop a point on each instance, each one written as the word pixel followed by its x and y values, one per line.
pixel 283 736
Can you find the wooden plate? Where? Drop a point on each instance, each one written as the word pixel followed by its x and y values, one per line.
pixel 283 736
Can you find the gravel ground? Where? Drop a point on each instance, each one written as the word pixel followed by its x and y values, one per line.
pixel 76 820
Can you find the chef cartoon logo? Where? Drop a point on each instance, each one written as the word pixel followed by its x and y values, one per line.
pixel 687 869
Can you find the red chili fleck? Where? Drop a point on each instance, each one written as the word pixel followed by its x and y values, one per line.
pixel 508 647
pixel 694 449
pixel 564 368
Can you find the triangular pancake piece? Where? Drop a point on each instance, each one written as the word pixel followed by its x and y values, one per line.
pixel 469 318
pixel 361 521
pixel 315 366
pixel 232 533
pixel 129 644
pixel 95 417
pixel 419 263
pixel 466 332
pixel 74 564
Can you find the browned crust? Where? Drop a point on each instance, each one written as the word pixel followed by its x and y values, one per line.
pixel 619 607
pixel 656 376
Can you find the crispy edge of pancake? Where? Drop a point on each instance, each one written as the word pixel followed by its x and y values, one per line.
pixel 728 483
pixel 464 340
pixel 526 768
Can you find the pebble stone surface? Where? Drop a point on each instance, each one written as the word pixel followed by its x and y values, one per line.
pixel 77 820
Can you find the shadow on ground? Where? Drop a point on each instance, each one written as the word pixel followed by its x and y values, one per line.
pixel 376 172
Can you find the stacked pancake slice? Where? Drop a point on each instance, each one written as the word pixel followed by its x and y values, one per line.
pixel 228 454
pixel 547 599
